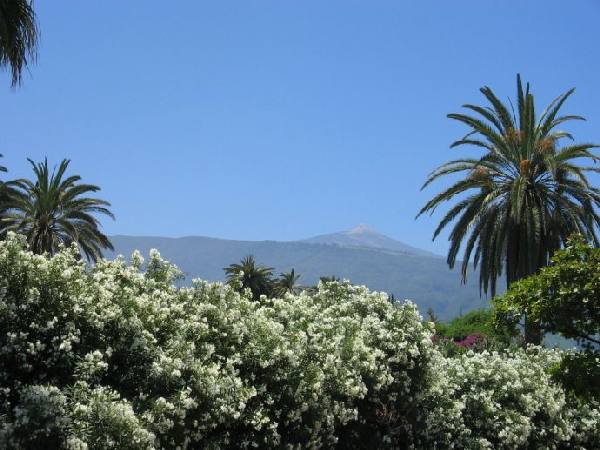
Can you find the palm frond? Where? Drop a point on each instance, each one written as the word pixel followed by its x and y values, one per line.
pixel 19 37
pixel 519 202
pixel 51 210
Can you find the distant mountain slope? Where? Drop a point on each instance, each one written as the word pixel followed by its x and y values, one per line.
pixel 363 236
pixel 422 278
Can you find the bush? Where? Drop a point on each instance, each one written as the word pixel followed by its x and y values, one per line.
pixel 506 400
pixel 562 298
pixel 118 357
pixel 478 321
pixel 579 372
pixel 473 331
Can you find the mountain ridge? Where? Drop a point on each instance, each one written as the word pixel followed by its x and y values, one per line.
pixel 364 236
pixel 422 278
pixel 361 236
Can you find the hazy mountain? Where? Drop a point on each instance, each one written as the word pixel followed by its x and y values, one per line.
pixel 365 237
pixel 361 255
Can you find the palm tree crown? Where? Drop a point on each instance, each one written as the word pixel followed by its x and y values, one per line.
pixel 18 36
pixel 517 203
pixel 52 210
pixel 249 275
pixel 287 283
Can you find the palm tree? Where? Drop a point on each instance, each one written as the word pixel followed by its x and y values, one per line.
pixel 324 280
pixel 18 36
pixel 329 279
pixel 52 210
pixel 247 274
pixel 521 200
pixel 5 191
pixel 287 283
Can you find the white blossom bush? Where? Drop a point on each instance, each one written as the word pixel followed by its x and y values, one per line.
pixel 38 418
pixel 506 400
pixel 116 356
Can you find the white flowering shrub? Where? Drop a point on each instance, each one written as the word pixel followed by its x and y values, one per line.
pixel 118 357
pixel 506 401
pixel 39 418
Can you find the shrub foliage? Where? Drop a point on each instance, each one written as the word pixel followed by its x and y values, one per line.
pixel 563 298
pixel 116 356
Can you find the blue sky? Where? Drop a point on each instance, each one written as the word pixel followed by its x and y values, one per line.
pixel 281 119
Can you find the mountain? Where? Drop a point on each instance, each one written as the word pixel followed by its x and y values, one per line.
pixel 364 237
pixel 361 255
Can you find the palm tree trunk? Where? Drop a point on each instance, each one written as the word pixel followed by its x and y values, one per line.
pixel 533 332
pixel 515 270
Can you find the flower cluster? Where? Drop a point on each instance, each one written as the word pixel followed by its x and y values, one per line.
pixel 472 340
pixel 117 356
pixel 493 400
pixel 452 347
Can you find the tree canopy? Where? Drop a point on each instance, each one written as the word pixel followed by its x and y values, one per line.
pixel 53 210
pixel 563 297
pixel 247 274
pixel 519 201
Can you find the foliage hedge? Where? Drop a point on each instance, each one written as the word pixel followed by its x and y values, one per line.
pixel 561 298
pixel 117 356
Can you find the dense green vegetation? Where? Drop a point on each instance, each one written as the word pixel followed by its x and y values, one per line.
pixel 259 280
pixel 116 356
pixel 478 321
pixel 522 199
pixel 247 274
pixel 563 298
pixel 287 283
pixel 473 331
pixel 52 210
pixel 18 36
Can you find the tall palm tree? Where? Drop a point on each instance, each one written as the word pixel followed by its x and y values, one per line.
pixel 526 194
pixel 287 283
pixel 53 210
pixel 329 279
pixel 259 279
pixel 18 36
pixel 5 191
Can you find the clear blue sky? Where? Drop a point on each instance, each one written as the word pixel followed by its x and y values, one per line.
pixel 281 119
